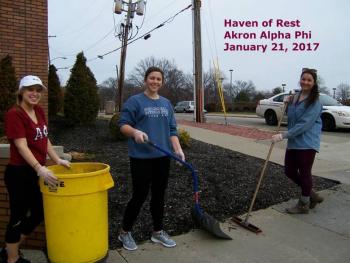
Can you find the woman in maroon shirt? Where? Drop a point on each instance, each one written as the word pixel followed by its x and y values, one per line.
pixel 26 130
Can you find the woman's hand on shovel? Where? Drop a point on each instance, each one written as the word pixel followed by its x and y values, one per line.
pixel 140 136
pixel 179 153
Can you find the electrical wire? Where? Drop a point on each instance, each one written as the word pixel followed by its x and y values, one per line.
pixel 89 47
pixel 216 64
pixel 169 20
pixel 148 32
pixel 212 27
pixel 159 12
pixel 209 40
pixel 100 40
pixel 78 30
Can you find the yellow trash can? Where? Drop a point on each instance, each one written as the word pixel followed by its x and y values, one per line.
pixel 76 213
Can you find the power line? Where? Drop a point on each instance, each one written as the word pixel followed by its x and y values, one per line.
pixel 169 20
pixel 209 40
pixel 212 27
pixel 145 35
pixel 81 28
pixel 89 47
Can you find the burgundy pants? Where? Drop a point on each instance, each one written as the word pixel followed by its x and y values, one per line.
pixel 298 166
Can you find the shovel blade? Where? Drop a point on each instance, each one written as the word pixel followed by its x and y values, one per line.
pixel 209 223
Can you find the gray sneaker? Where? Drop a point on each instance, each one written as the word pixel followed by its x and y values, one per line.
pixel 163 238
pixel 299 208
pixel 127 240
pixel 315 199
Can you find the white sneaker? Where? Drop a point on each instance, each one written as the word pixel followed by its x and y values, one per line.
pixel 163 238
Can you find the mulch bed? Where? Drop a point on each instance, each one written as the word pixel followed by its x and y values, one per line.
pixel 227 180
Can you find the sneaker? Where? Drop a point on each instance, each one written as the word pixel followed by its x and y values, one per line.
pixel 299 208
pixel 127 240
pixel 163 238
pixel 315 199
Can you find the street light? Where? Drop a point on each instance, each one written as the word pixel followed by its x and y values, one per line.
pixel 334 92
pixel 50 60
pixel 231 91
pixel 283 85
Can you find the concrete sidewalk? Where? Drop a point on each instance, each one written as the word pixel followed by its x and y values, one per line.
pixel 317 237
pixel 322 236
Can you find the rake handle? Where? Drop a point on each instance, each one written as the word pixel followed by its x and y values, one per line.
pixel 264 167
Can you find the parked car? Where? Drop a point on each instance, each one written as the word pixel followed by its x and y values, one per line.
pixel 184 106
pixel 334 114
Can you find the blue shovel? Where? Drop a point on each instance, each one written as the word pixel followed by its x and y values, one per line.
pixel 200 217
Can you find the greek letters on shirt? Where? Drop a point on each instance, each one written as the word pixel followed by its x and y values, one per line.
pixel 41 133
pixel 156 112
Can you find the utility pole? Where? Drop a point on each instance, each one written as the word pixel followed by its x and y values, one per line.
pixel 122 60
pixel 231 91
pixel 125 37
pixel 197 46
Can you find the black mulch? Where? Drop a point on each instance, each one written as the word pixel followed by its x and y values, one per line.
pixel 227 180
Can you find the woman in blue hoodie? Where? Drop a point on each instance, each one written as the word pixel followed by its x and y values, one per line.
pixel 304 136
pixel 149 116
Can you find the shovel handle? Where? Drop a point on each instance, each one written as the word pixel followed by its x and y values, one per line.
pixel 189 166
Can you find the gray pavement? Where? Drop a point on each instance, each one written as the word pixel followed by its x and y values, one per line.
pixel 322 236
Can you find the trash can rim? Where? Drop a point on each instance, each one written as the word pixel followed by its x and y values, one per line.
pixel 85 174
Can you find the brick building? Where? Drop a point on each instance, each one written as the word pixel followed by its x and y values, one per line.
pixel 24 36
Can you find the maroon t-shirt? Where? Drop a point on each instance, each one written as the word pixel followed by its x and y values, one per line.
pixel 19 125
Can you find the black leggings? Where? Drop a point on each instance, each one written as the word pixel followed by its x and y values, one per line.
pixel 26 205
pixel 146 174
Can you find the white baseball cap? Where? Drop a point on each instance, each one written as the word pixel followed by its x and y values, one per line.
pixel 30 81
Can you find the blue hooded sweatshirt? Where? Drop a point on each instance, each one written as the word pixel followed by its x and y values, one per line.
pixel 304 125
pixel 155 117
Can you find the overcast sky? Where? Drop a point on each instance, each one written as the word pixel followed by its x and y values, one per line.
pixel 88 25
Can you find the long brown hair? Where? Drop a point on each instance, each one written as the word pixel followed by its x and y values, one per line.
pixel 314 93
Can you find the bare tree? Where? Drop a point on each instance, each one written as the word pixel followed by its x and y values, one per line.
pixel 137 77
pixel 343 92
pixel 107 91
pixel 322 86
pixel 244 90
pixel 209 84
pixel 277 90
pixel 261 95
pixel 177 85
